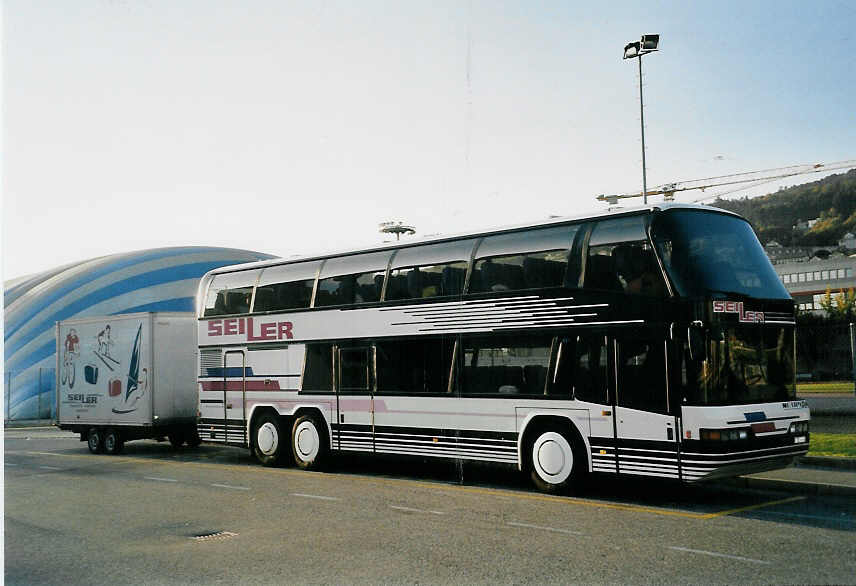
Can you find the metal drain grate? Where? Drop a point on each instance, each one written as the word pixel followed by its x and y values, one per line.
pixel 215 536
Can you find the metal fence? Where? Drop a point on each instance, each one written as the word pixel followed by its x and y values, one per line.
pixel 825 351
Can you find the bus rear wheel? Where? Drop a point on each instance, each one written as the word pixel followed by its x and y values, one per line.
pixel 268 440
pixel 309 443
pixel 555 466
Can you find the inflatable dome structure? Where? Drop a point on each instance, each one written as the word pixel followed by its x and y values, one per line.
pixel 161 279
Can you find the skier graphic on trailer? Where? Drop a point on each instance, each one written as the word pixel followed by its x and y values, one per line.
pixel 105 342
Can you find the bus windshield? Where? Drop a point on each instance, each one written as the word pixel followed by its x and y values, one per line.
pixel 708 254
pixel 742 365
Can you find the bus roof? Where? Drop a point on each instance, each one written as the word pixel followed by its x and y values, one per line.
pixel 554 221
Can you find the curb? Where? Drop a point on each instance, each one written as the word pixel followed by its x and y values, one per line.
pixel 826 462
pixel 796 486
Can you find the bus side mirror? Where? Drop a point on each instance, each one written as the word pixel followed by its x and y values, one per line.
pixel 695 336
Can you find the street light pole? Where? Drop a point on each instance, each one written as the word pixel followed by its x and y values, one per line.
pixel 642 122
pixel 635 50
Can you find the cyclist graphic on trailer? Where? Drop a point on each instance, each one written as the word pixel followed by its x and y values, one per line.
pixel 71 349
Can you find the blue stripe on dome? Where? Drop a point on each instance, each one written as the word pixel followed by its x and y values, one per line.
pixel 143 280
pixel 177 304
pixel 34 356
pixel 110 266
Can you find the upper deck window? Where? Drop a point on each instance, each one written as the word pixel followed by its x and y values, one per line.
pixel 434 270
pixel 523 260
pixel 712 254
pixel 352 279
pixel 231 293
pixel 286 287
pixel 620 258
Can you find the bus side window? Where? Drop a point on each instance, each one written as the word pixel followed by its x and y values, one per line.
pixel 318 368
pixel 230 293
pixel 590 367
pixel 435 270
pixel 528 260
pixel 642 374
pixel 505 366
pixel 621 259
pixel 284 287
pixel 352 279
pixel 414 367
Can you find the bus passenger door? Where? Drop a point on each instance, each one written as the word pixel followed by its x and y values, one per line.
pixel 234 397
pixel 645 432
pixel 354 386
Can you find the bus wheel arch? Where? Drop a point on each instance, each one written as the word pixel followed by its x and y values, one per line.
pixel 310 439
pixel 553 453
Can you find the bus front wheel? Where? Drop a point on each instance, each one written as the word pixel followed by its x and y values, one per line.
pixel 309 443
pixel 554 465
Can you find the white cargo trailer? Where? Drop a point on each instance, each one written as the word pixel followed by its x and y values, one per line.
pixel 126 377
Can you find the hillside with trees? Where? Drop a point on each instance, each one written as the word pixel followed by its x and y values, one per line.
pixel 831 200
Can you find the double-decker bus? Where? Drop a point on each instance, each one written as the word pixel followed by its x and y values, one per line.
pixel 656 342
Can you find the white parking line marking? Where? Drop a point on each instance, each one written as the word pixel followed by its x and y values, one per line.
pixel 160 479
pixel 9 464
pixel 412 510
pixel 49 468
pixel 230 486
pixel 719 555
pixel 542 528
pixel 315 496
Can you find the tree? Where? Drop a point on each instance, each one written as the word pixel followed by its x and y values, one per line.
pixel 839 306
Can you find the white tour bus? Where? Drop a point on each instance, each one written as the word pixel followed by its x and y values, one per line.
pixel 656 341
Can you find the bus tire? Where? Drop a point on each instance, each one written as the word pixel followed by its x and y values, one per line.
pixel 555 463
pixel 113 441
pixel 268 440
pixel 309 443
pixel 94 440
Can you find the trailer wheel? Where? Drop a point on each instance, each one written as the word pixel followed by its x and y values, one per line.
pixel 555 462
pixel 94 440
pixel 309 443
pixel 113 442
pixel 193 440
pixel 176 439
pixel 268 440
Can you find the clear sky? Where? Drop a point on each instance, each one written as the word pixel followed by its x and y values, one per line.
pixel 296 127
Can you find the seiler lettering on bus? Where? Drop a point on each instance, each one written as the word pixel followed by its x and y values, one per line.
pixel 264 332
pixel 747 317
pixel 654 342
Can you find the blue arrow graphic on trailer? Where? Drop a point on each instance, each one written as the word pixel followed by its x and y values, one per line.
pixel 134 370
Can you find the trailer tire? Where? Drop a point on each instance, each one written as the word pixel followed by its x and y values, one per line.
pixel 309 443
pixel 556 463
pixel 113 442
pixel 193 440
pixel 176 439
pixel 269 442
pixel 94 440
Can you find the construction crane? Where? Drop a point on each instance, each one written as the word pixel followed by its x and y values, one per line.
pixel 668 190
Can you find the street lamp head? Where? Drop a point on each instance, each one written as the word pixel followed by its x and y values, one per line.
pixel 631 50
pixel 648 44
